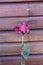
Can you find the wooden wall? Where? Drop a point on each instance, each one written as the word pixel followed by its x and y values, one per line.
pixel 13 12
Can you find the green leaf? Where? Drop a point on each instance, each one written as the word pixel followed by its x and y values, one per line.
pixel 25 51
pixel 22 63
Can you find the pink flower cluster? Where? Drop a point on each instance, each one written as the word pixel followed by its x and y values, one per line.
pixel 22 29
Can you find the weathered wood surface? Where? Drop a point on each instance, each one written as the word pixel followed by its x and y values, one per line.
pixel 15 48
pixel 11 14
pixel 34 35
pixel 31 9
pixel 16 60
pixel 18 0
pixel 9 23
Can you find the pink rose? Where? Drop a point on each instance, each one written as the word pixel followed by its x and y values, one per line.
pixel 22 29
pixel 17 29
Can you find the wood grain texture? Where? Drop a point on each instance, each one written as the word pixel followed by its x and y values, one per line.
pixel 34 35
pixel 11 14
pixel 9 23
pixel 16 60
pixel 15 48
pixel 17 0
pixel 31 9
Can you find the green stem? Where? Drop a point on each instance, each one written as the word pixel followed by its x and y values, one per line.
pixel 22 39
pixel 22 61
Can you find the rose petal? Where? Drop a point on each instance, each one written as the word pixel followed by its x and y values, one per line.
pixel 17 30
pixel 24 27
